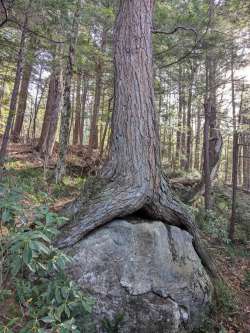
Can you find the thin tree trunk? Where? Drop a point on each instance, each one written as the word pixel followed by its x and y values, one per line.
pixel 76 131
pixel 13 101
pixel 231 230
pixel 66 110
pixel 2 92
pixel 93 136
pixel 22 100
pixel 84 100
pixel 183 139
pixel 37 102
pixel 197 153
pixel 103 138
pixel 226 160
pixel 180 107
pixel 206 168
pixel 189 116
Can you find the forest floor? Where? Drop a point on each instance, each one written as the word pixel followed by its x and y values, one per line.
pixel 26 175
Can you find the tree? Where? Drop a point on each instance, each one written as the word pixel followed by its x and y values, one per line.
pixel 53 108
pixel 13 101
pixel 23 94
pixel 131 181
pixel 66 110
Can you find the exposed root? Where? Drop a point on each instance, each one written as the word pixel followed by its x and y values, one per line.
pixel 118 199
pixel 115 199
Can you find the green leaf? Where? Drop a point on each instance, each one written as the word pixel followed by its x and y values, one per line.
pixel 6 216
pixel 27 255
pixel 16 266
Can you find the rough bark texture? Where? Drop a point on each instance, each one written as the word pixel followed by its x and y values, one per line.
pixel 132 181
pixel 53 106
pixel 66 109
pixel 231 228
pixel 23 93
pixel 84 100
pixel 197 141
pixel 13 100
pixel 189 120
pixel 38 100
pixel 76 131
pixel 93 135
pixel 178 133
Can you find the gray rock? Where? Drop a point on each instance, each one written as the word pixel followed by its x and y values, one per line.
pixel 146 271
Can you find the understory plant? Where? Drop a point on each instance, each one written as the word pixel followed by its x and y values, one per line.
pixel 33 271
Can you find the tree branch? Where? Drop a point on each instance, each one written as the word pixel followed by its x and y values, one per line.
pixel 13 20
pixel 180 27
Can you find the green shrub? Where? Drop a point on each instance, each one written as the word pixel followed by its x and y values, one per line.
pixel 225 300
pixel 37 268
pixel 212 224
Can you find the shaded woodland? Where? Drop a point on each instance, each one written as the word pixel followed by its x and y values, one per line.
pixel 134 110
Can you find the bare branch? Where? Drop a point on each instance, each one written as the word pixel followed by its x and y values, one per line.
pixel 180 27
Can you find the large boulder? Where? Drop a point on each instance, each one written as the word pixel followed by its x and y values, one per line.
pixel 147 272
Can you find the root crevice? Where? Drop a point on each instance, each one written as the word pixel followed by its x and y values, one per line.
pixel 118 199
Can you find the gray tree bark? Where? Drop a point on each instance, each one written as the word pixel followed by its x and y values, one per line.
pixel 66 110
pixel 131 181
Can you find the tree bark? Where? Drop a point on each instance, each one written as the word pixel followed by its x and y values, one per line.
pixel 231 229
pixel 53 107
pixel 84 100
pixel 180 107
pixel 93 135
pixel 197 154
pixel 66 110
pixel 13 101
pixel 38 101
pixel 131 181
pixel 106 127
pixel 76 131
pixel 189 116
pixel 22 100
pixel 2 92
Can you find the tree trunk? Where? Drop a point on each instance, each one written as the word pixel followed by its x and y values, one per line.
pixel 38 100
pixel 13 101
pixel 226 160
pixel 231 229
pixel 2 92
pixel 183 136
pixel 76 131
pixel 105 131
pixel 84 100
pixel 53 106
pixel 197 154
pixel 206 167
pixel 66 110
pixel 22 100
pixel 189 122
pixel 132 181
pixel 93 135
pixel 178 133
pixel 46 119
